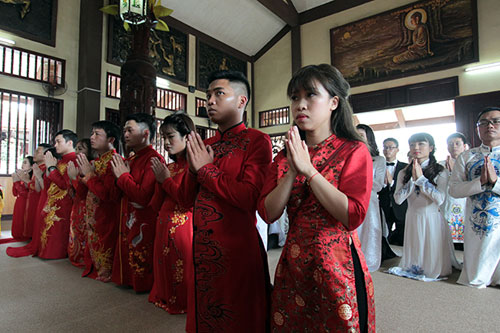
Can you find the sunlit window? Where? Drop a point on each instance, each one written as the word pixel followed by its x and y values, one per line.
pixel 26 122
pixel 437 119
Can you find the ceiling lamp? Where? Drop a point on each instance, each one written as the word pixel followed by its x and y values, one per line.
pixel 495 65
pixel 6 41
pixel 134 11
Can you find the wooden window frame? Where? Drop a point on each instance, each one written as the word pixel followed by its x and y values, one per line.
pixel 274 117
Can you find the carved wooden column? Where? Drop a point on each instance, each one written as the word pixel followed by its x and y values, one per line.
pixel 138 76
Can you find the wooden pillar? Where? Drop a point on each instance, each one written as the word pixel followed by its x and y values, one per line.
pixel 89 66
pixel 138 76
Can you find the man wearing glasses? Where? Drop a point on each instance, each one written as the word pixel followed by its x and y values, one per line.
pixel 475 177
pixel 394 213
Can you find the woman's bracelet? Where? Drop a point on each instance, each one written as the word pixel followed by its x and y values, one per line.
pixel 310 178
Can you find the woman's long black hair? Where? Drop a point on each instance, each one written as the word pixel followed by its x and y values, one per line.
pixel 370 137
pixel 332 80
pixel 434 168
pixel 90 152
pixel 30 159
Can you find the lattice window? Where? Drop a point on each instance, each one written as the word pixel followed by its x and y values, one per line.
pixel 205 132
pixel 47 120
pixel 170 100
pixel 113 116
pixel 26 122
pixel 274 117
pixel 113 87
pixel 165 99
pixel 32 66
pixel 277 143
pixel 201 107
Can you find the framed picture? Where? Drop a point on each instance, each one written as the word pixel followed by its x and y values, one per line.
pixel 168 50
pixel 34 20
pixel 210 59
pixel 422 37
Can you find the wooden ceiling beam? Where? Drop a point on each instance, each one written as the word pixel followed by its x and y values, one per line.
pixel 414 123
pixel 329 8
pixel 284 10
pixel 356 120
pixel 401 118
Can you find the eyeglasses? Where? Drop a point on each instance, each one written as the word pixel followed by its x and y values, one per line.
pixel 486 122
pixel 389 148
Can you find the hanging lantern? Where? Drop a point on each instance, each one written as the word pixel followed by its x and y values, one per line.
pixel 133 11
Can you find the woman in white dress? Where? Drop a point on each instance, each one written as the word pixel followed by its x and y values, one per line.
pixel 427 247
pixel 370 231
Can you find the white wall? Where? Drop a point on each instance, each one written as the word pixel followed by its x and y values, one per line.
pixel 67 39
pixel 316 46
pixel 272 70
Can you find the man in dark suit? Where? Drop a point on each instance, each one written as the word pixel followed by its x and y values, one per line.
pixel 394 214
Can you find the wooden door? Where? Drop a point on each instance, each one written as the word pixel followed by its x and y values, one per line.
pixel 466 110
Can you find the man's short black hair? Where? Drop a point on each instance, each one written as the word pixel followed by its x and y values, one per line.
pixel 147 119
pixel 68 135
pixel 45 146
pixel 486 110
pixel 457 135
pixel 231 76
pixel 393 140
pixel 111 129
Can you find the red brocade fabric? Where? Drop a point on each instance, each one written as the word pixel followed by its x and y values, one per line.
pixel 36 202
pixel 55 216
pixel 231 285
pixel 133 263
pixel 173 245
pixel 314 288
pixel 31 206
pixel 78 227
pixel 102 216
pixel 20 191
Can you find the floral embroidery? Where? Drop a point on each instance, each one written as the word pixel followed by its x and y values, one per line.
pixel 485 216
pixel 101 164
pixel 278 319
pixel 316 261
pixel 345 312
pixel 295 250
pixel 179 270
pixel 103 261
pixel 300 301
pixel 178 219
pixel 54 194
pixel 137 258
pixel 429 187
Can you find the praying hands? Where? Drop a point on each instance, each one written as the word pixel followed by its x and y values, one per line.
pixel 198 154
pixel 488 173
pixel 119 166
pixel 160 170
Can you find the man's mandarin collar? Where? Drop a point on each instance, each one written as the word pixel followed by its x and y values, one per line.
pixel 485 149
pixel 68 156
pixel 234 129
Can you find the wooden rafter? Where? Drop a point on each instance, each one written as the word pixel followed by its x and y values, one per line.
pixel 401 118
pixel 414 123
pixel 284 10
pixel 356 120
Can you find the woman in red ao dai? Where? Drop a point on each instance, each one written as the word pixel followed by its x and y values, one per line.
pixel 324 178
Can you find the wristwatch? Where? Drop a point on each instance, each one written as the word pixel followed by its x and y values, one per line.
pixel 52 168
